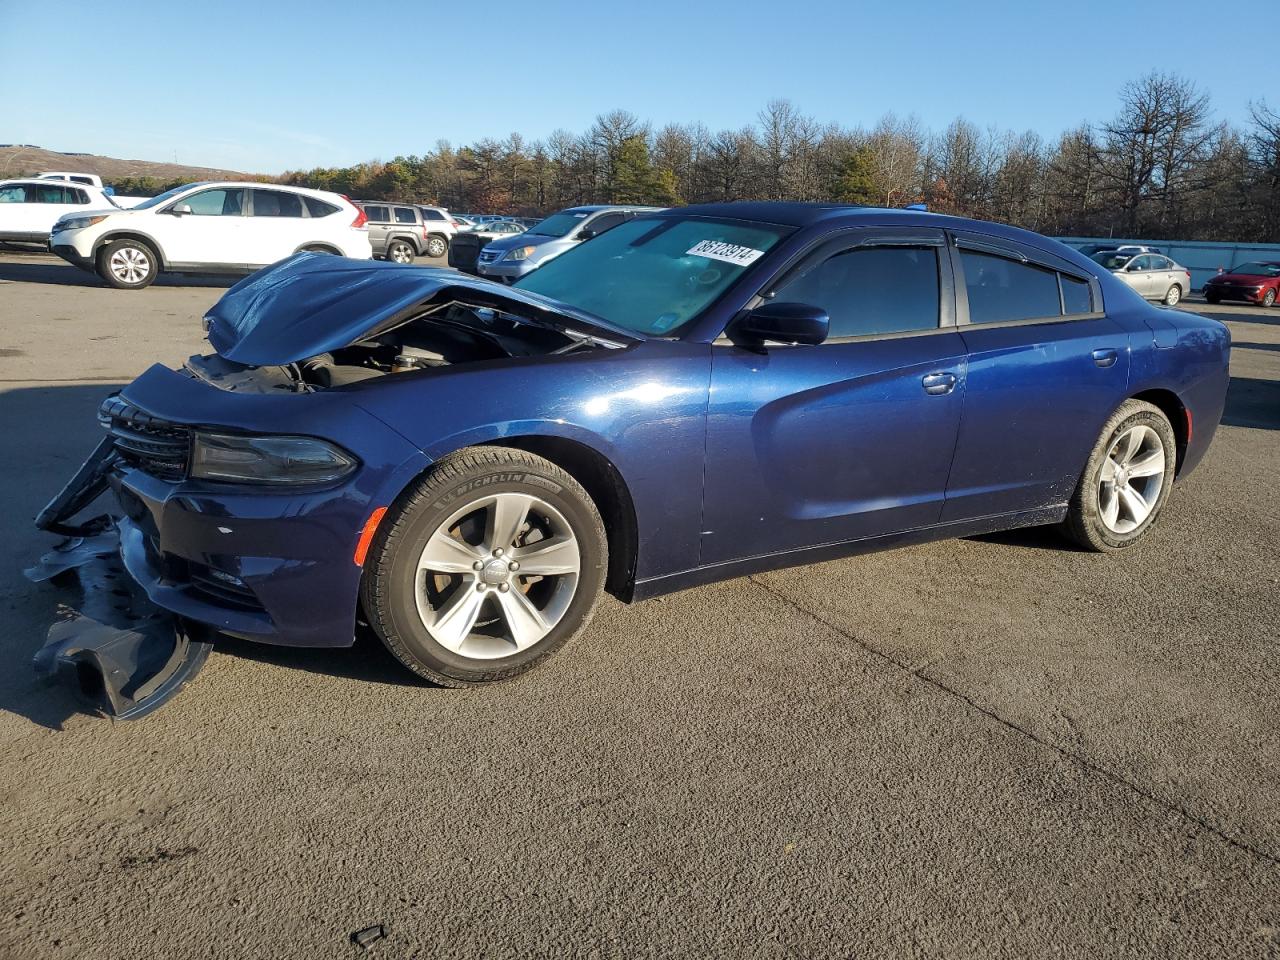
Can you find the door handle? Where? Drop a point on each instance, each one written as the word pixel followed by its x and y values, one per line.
pixel 1105 357
pixel 938 384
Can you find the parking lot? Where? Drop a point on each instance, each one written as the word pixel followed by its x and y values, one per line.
pixel 990 747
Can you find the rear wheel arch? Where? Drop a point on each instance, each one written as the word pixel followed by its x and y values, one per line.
pixel 1171 405
pixel 319 248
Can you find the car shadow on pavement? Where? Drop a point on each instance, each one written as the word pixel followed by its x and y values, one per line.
pixel 42 271
pixel 1253 403
pixel 367 660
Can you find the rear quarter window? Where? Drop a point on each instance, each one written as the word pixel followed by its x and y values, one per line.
pixel 319 208
pixel 1076 295
pixel 428 214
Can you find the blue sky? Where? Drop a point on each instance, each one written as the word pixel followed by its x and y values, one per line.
pixel 272 85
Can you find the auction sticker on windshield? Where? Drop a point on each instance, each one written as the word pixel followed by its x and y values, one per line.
pixel 727 252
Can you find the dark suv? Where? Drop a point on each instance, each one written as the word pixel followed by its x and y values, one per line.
pixel 397 231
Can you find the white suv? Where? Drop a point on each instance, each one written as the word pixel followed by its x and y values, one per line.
pixel 30 207
pixel 210 228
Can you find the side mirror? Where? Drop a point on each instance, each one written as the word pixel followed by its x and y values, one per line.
pixel 586 233
pixel 180 210
pixel 1131 268
pixel 794 323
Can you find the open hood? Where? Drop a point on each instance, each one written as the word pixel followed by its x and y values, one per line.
pixel 314 303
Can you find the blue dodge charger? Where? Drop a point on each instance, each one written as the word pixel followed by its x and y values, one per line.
pixel 694 395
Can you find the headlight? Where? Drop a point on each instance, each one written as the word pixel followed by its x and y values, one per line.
pixel 76 223
pixel 519 253
pixel 221 456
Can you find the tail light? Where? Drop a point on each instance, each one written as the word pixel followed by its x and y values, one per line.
pixel 361 219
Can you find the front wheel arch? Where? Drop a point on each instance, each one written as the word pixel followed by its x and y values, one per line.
pixel 109 238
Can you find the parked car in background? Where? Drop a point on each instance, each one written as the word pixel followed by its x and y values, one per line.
pixel 210 227
pixel 1257 281
pixel 510 258
pixel 441 228
pixel 1153 275
pixel 697 394
pixel 92 180
pixel 397 231
pixel 463 221
pixel 30 207
pixel 497 229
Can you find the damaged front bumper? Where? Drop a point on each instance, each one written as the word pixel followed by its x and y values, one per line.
pixel 120 652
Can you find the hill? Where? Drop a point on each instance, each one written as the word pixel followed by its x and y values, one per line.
pixel 23 161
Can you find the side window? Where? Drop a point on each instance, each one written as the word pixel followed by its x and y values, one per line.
pixel 405 215
pixel 1143 262
pixel 318 208
pixel 606 221
pixel 429 214
pixel 14 193
pixel 1076 297
pixel 84 180
pixel 1000 289
pixel 47 194
pixel 870 290
pixel 76 196
pixel 276 203
pixel 1163 263
pixel 378 214
pixel 215 203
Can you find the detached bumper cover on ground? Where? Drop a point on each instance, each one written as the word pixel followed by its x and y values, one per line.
pixel 121 652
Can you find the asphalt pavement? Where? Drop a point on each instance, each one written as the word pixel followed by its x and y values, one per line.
pixel 995 747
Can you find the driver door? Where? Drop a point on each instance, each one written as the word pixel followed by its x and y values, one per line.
pixel 849 439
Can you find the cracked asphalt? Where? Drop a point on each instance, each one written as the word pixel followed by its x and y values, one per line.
pixel 996 747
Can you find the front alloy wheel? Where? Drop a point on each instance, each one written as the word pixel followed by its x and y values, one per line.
pixel 492 562
pixel 127 265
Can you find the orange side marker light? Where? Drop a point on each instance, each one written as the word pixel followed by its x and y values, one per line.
pixel 366 535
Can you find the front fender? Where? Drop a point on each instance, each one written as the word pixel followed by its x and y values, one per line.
pixel 643 409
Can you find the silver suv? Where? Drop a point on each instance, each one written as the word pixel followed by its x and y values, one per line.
pixel 510 258
pixel 402 231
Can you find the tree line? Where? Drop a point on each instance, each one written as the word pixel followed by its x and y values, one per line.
pixel 1161 167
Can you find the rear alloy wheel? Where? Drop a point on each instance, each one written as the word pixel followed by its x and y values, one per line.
pixel 1127 480
pixel 1173 295
pixel 399 252
pixel 489 565
pixel 127 265
pixel 1269 298
pixel 437 246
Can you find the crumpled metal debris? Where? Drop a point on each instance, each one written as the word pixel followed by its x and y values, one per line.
pixel 369 935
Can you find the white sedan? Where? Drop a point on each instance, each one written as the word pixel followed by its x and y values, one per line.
pixel 213 227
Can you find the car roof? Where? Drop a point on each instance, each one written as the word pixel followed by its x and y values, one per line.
pixel 597 207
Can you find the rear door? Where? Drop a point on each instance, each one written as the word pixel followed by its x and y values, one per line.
pixel 19 215
pixel 852 438
pixel 1045 369
pixel 379 221
pixel 276 226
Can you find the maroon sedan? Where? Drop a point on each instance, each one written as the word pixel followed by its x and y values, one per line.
pixel 1255 282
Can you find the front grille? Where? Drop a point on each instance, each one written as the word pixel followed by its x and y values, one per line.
pixel 155 446
pixel 488 256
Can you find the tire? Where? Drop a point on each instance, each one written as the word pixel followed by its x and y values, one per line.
pixel 1172 296
pixel 400 251
pixel 459 626
pixel 1105 523
pixel 1212 298
pixel 437 246
pixel 128 264
pixel 317 248
pixel 1269 298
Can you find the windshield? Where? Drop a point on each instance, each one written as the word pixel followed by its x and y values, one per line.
pixel 654 275
pixel 560 224
pixel 166 196
pixel 1256 268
